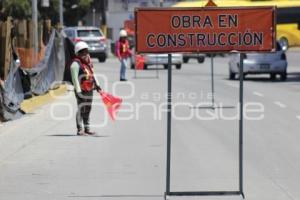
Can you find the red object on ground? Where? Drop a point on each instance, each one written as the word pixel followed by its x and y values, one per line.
pixel 112 103
pixel 139 62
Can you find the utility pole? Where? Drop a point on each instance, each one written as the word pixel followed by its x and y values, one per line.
pixel 94 17
pixel 61 15
pixel 103 8
pixel 35 27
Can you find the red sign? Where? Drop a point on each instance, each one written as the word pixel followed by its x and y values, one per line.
pixel 209 29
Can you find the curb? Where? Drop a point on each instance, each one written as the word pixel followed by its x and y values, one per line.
pixel 35 102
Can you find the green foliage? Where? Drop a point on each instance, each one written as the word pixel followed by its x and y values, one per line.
pixel 18 9
pixel 49 13
pixel 74 10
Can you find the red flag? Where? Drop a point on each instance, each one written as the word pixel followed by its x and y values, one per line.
pixel 112 103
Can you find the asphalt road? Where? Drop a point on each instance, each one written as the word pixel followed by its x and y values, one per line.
pixel 41 158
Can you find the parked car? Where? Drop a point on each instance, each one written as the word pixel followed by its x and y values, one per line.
pixel 93 36
pixel 187 56
pixel 261 63
pixel 155 59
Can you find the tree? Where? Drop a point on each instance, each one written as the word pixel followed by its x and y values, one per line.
pixel 74 10
pixel 18 9
pixel 51 12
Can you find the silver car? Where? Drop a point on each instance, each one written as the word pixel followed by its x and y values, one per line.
pixel 157 59
pixel 187 56
pixel 261 63
pixel 93 36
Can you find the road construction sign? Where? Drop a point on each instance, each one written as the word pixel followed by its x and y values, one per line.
pixel 208 29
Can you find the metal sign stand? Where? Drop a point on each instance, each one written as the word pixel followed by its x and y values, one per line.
pixel 212 81
pixel 169 131
pixel 213 106
pixel 240 191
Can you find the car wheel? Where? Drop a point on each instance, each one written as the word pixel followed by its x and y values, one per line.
pixel 201 59
pixel 178 66
pixel 272 76
pixel 283 76
pixel 131 63
pixel 102 58
pixel 166 66
pixel 211 55
pixel 185 60
pixel 284 43
pixel 231 75
pixel 132 66
pixel 244 76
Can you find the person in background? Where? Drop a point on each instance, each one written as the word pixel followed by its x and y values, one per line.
pixel 123 52
pixel 84 82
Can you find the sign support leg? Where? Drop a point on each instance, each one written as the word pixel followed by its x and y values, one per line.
pixel 134 70
pixel 212 81
pixel 241 73
pixel 169 124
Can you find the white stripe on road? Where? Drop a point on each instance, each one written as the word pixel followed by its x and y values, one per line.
pixel 258 94
pixel 233 85
pixel 281 105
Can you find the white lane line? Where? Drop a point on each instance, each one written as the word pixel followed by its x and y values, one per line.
pixel 258 94
pixel 281 105
pixel 298 117
pixel 233 85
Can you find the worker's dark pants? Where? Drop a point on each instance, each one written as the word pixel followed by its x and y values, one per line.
pixel 84 105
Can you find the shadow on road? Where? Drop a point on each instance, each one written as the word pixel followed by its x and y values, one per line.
pixel 73 135
pixel 119 196
pixel 291 77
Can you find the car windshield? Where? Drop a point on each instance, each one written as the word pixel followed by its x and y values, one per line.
pixel 89 33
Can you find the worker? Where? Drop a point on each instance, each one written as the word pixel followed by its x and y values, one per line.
pixel 84 82
pixel 123 52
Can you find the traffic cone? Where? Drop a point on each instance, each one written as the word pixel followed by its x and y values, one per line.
pixel 140 61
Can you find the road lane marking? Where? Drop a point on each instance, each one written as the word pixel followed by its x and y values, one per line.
pixel 258 94
pixel 281 105
pixel 232 85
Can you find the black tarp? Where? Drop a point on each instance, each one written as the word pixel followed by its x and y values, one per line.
pixel 11 95
pixel 50 70
pixel 69 54
pixel 43 77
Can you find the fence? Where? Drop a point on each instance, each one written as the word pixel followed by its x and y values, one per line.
pixel 17 36
pixel 5 47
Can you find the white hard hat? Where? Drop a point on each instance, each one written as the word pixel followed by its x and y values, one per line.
pixel 80 46
pixel 123 33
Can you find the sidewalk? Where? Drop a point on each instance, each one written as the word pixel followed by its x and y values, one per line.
pixel 29 105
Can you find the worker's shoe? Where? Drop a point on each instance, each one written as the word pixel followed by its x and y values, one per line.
pixel 88 132
pixel 81 133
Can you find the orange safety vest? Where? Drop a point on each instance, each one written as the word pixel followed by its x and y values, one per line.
pixel 122 49
pixel 86 75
